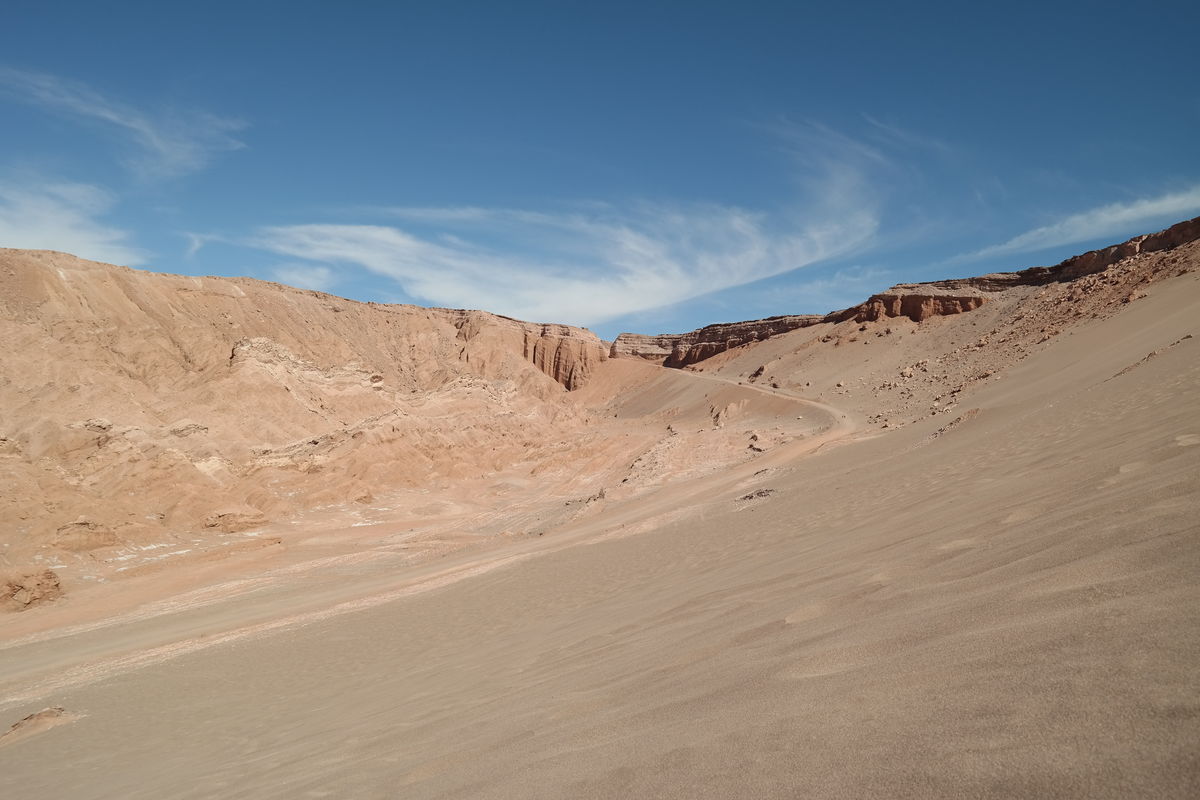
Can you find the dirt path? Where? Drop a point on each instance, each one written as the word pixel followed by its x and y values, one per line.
pixel 846 425
pixel 255 601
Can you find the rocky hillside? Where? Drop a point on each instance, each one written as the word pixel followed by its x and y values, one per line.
pixel 896 370
pixel 915 301
pixel 135 401
pixel 681 349
pixel 567 354
pixel 137 404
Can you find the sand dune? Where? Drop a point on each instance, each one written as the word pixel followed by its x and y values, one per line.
pixel 947 558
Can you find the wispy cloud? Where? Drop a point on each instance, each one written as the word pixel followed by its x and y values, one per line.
pixel 306 276
pixel 1110 221
pixel 840 289
pixel 894 134
pixel 597 262
pixel 196 242
pixel 63 216
pixel 169 143
pixel 572 267
pixel 815 146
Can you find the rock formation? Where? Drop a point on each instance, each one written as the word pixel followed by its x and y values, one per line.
pixel 651 348
pixel 21 591
pixel 565 353
pixel 916 301
pixel 139 405
pixel 138 402
pixel 681 349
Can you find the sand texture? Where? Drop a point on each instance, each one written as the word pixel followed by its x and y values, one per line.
pixel 948 557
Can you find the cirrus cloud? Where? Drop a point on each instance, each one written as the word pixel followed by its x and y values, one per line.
pixel 306 276
pixel 596 262
pixel 63 216
pixel 1108 221
pixel 169 143
pixel 583 268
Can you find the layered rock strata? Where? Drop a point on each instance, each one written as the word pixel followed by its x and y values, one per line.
pixel 916 301
pixel 652 348
pixel 679 350
pixel 137 403
pixel 567 354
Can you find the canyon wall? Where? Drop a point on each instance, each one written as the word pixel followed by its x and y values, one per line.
pixel 136 403
pixel 565 353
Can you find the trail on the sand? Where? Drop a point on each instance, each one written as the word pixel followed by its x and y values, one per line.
pixel 42 664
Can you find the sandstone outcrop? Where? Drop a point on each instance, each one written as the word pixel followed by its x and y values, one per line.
pixel 1070 269
pixel 916 301
pixel 138 403
pixel 37 723
pixel 651 348
pixel 565 353
pixel 21 591
pixel 235 520
pixel 1098 260
pixel 682 349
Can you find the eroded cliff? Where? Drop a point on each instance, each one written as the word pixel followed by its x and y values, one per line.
pixel 137 402
pixel 567 354
pixel 915 301
pixel 681 349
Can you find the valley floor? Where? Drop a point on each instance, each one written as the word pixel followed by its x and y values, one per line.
pixel 994 603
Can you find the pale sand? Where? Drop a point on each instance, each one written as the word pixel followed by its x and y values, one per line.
pixel 1007 609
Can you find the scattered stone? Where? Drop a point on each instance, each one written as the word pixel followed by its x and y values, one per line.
pixel 235 520
pixel 187 428
pixel 84 534
pixel 23 591
pixel 34 724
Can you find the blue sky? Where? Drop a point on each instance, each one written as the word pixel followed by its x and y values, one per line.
pixel 624 166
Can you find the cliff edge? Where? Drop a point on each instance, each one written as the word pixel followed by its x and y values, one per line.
pixel 916 301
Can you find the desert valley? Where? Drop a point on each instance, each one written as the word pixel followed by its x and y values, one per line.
pixel 264 541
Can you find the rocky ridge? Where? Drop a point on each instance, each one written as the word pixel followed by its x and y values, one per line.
pixel 567 354
pixel 141 406
pixel 921 369
pixel 915 301
pixel 25 590
pixel 137 403
pixel 681 349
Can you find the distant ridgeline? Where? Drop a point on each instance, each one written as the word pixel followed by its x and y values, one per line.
pixel 916 301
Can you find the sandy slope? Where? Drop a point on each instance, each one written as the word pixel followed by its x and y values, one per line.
pixel 996 600
pixel 143 409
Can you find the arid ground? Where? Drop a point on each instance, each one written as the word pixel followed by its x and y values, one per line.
pixel 258 541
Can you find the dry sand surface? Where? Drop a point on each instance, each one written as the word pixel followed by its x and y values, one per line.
pixel 953 558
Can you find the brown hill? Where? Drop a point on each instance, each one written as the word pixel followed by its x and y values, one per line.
pixel 137 402
pixel 902 556
pixel 142 405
